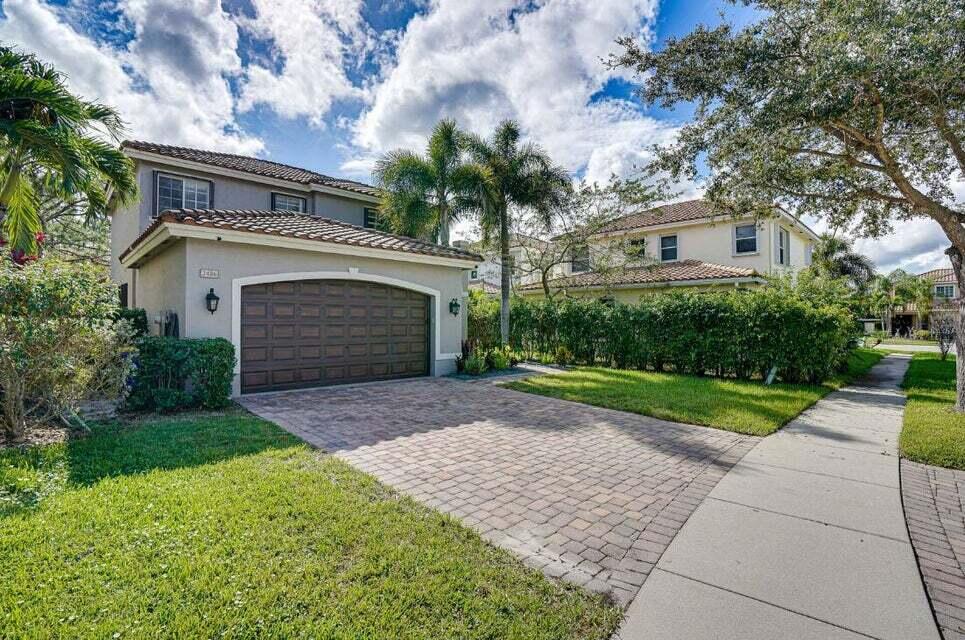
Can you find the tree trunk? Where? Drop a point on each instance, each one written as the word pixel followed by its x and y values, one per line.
pixel 955 254
pixel 504 275
pixel 443 224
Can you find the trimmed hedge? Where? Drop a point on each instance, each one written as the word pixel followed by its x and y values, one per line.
pixel 182 373
pixel 734 334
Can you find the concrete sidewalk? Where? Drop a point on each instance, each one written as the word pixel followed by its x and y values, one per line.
pixel 804 538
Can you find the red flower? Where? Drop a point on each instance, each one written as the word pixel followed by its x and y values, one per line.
pixel 3 241
pixel 18 256
pixel 40 236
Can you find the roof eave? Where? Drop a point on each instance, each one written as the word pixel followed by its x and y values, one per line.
pixel 160 158
pixel 148 244
pixel 736 280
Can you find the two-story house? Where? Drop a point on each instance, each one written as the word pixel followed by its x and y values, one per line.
pixel 686 245
pixel 905 318
pixel 287 264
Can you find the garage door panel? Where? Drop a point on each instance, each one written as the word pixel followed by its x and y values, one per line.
pixel 321 332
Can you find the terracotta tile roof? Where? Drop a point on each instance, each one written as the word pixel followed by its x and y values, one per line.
pixel 648 275
pixel 290 224
pixel 676 212
pixel 247 164
pixel 940 276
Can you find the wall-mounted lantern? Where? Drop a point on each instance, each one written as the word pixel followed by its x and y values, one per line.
pixel 454 307
pixel 211 301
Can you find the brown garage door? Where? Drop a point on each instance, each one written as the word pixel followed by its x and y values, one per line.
pixel 310 333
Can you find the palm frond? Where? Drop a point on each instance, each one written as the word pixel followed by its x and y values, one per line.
pixel 21 220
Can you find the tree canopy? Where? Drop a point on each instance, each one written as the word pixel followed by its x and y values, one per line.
pixel 48 134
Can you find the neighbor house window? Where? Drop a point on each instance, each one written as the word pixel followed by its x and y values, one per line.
pixel 783 247
pixel 745 238
pixel 474 274
pixel 174 192
pixel 285 202
pixel 580 259
pixel 945 291
pixel 122 295
pixel 371 218
pixel 668 248
pixel 637 249
pixel 808 255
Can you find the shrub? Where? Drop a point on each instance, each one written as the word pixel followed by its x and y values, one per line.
pixel 180 373
pixel 137 319
pixel 475 364
pixel 483 320
pixel 59 342
pixel 943 328
pixel 498 358
pixel 738 333
pixel 922 334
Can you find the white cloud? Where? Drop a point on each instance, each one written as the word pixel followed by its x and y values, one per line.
pixel 540 63
pixel 170 83
pixel 310 40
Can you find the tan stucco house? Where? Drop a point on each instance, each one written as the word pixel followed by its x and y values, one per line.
pixel 905 318
pixel 308 291
pixel 686 244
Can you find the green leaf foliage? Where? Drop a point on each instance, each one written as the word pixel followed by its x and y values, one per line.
pixel 173 374
pixel 738 334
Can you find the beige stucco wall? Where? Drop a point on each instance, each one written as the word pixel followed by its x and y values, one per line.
pixel 234 261
pixel 160 287
pixel 714 242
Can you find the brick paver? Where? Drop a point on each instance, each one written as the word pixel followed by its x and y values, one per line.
pixel 586 494
pixel 934 501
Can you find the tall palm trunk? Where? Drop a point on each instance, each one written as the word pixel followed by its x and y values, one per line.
pixel 505 275
pixel 443 221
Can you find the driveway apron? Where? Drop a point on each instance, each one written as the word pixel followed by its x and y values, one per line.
pixel 804 538
pixel 590 495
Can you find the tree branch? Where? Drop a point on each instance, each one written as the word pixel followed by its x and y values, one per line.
pixel 941 123
pixel 847 158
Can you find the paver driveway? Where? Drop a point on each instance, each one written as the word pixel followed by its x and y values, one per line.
pixel 587 494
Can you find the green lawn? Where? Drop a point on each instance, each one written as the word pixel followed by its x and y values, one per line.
pixel 904 341
pixel 224 525
pixel 932 432
pixel 734 405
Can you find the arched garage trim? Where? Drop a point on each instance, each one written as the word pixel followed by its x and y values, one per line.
pixel 351 274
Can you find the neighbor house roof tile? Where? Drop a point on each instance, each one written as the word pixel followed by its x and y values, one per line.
pixel 940 276
pixel 290 224
pixel 666 214
pixel 650 275
pixel 247 164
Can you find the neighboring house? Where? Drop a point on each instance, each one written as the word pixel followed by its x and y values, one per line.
pixel 487 273
pixel 686 245
pixel 308 291
pixel 904 318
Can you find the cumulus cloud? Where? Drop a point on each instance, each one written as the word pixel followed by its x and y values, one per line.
pixel 170 82
pixel 540 63
pixel 310 41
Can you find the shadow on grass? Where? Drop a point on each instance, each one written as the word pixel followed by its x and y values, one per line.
pixel 28 476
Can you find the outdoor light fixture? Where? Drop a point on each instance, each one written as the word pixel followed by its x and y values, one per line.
pixel 454 307
pixel 211 301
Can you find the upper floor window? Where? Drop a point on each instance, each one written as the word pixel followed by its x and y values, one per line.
pixel 668 248
pixel 371 218
pixel 285 202
pixel 945 291
pixel 745 238
pixel 175 192
pixel 783 246
pixel 580 259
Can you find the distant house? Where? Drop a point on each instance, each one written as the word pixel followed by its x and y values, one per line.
pixel 686 244
pixel 486 277
pixel 905 318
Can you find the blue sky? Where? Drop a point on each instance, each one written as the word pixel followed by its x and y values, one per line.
pixel 332 84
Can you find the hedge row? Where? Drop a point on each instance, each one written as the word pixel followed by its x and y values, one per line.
pixel 735 334
pixel 179 373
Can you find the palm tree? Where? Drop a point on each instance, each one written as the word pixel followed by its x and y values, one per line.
pixel 836 257
pixel 48 134
pixel 423 195
pixel 522 176
pixel 920 291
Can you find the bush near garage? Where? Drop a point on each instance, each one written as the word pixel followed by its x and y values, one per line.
pixel 59 342
pixel 172 374
pixel 740 334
